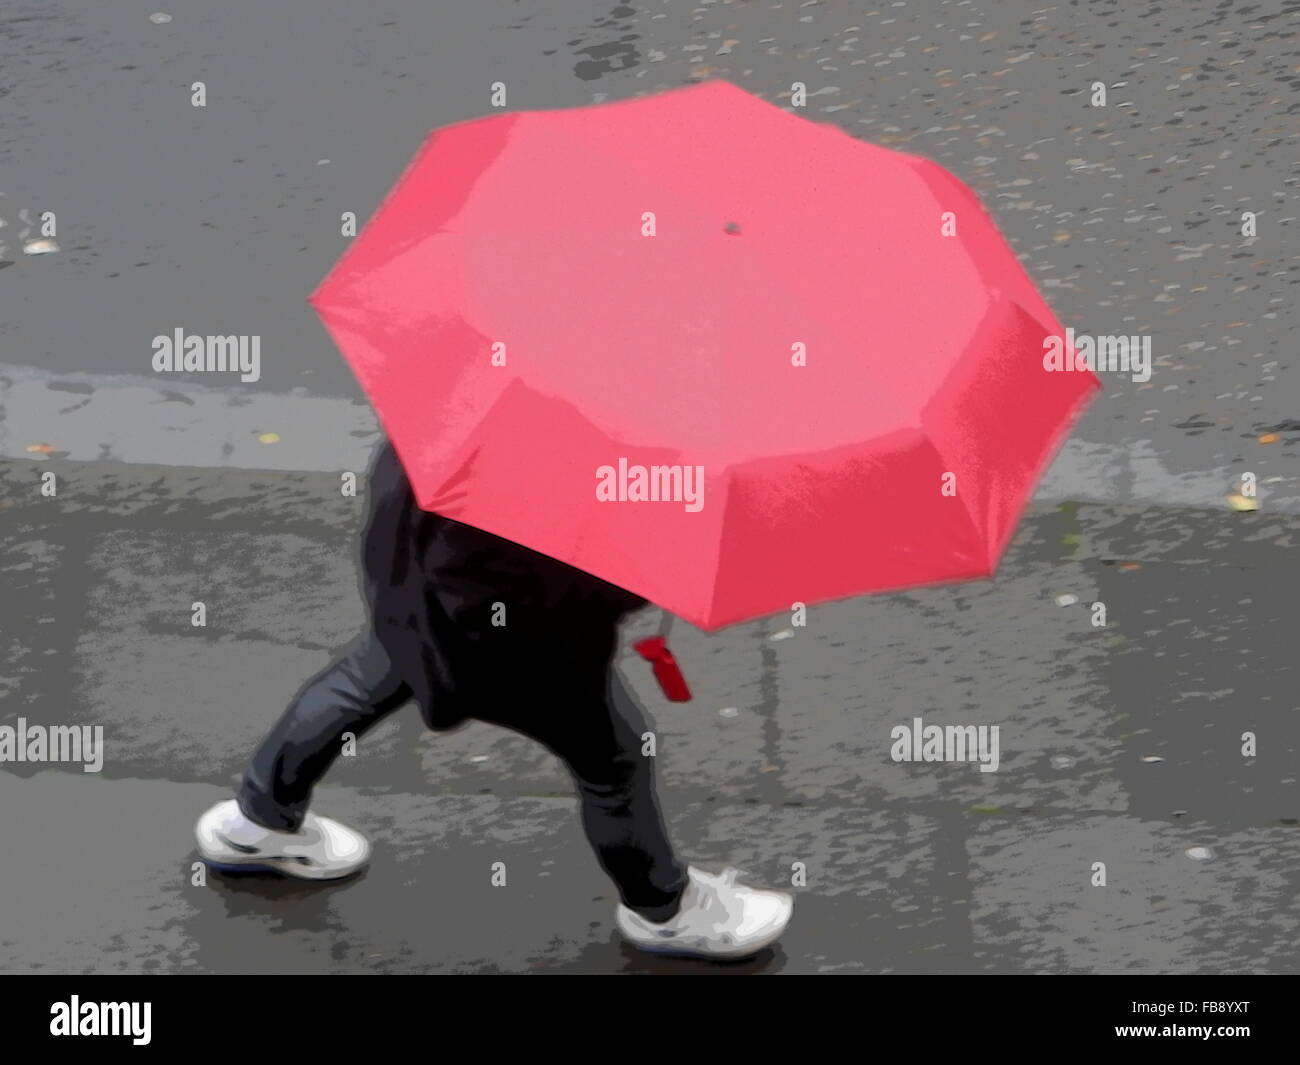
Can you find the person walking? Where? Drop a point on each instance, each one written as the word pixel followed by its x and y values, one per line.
pixel 470 625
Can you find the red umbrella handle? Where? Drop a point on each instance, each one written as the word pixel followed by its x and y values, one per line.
pixel 666 671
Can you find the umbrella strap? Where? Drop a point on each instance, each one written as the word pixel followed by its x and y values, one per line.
pixel 666 670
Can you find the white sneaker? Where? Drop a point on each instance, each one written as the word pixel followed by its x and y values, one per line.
pixel 718 919
pixel 322 849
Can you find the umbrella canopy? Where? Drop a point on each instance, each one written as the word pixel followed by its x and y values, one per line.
pixel 717 354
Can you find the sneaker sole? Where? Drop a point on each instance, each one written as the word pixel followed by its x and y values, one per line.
pixel 699 955
pixel 267 867
pixel 703 954
pixel 278 866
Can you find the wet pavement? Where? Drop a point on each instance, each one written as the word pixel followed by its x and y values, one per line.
pixel 1119 744
pixel 222 220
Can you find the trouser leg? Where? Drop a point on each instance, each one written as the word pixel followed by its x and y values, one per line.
pixel 351 695
pixel 598 736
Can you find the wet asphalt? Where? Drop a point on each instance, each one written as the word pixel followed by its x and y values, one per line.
pixel 1121 743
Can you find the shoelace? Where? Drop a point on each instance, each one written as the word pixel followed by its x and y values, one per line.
pixel 310 837
pixel 725 880
pixel 722 897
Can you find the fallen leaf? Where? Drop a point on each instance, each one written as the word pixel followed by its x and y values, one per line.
pixel 269 438
pixel 1267 438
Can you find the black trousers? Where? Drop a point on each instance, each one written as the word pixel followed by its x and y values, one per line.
pixel 597 737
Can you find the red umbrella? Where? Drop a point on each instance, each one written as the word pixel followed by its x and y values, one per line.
pixel 717 354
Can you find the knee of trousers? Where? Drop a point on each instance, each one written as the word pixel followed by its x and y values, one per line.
pixel 615 788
